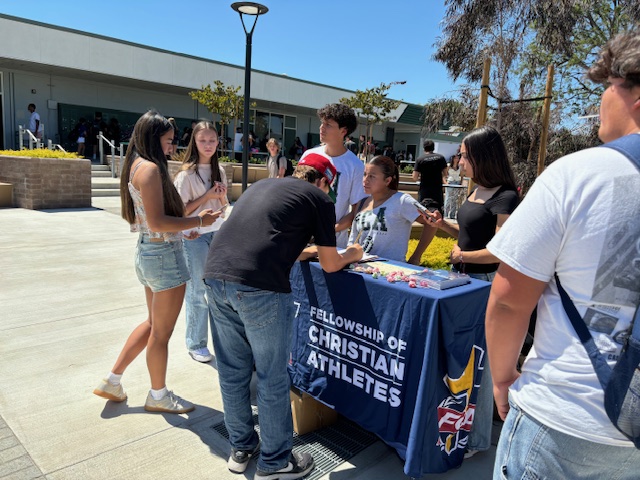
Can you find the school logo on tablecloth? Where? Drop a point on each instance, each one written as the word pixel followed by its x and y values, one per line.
pixel 455 412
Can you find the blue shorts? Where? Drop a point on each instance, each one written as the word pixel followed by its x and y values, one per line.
pixel 160 265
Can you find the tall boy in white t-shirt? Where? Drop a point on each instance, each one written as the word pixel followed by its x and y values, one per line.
pixel 336 122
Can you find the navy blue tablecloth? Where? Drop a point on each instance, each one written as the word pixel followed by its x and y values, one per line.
pixel 402 362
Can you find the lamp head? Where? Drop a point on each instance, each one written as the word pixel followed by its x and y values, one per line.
pixel 249 8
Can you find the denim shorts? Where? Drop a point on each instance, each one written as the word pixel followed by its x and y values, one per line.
pixel 160 265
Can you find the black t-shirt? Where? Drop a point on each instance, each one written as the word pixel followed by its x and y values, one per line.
pixel 430 167
pixel 269 226
pixel 477 222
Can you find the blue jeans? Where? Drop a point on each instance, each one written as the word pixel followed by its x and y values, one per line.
pixel 480 435
pixel 528 449
pixel 197 310
pixel 252 326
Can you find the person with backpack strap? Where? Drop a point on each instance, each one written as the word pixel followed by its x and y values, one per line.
pixel 573 248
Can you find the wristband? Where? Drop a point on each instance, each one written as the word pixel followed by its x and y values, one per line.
pixel 200 218
pixel 460 257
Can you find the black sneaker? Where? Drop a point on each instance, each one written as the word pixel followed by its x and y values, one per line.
pixel 239 459
pixel 299 465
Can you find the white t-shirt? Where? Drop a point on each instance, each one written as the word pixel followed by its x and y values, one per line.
pixel 580 219
pixel 453 176
pixel 190 187
pixel 237 142
pixel 32 122
pixel 349 189
pixel 386 229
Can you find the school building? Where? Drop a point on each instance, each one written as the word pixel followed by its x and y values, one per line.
pixel 41 64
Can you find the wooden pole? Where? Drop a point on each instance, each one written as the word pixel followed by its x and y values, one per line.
pixel 482 105
pixel 542 153
pixel 484 94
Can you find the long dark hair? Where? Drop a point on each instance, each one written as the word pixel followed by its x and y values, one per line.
pixel 145 143
pixel 488 157
pixel 389 169
pixel 190 161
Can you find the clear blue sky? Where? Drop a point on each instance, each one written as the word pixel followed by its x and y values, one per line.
pixel 352 44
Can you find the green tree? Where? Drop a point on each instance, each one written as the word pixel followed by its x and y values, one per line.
pixel 373 105
pixel 523 37
pixel 445 112
pixel 569 35
pixel 221 100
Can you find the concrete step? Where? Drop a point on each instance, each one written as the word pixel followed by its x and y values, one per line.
pixel 95 167
pixel 105 182
pixel 105 192
pixel 101 173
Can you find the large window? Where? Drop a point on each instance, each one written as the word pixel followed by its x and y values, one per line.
pixel 266 125
pixel 290 126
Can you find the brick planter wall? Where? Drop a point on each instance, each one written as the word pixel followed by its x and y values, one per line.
pixel 40 183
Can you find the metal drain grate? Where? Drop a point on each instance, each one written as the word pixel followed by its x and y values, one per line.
pixel 329 446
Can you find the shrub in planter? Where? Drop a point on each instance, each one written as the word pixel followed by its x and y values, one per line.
pixel 43 178
pixel 39 153
pixel 437 253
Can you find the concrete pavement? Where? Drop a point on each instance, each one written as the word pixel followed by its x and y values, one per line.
pixel 68 299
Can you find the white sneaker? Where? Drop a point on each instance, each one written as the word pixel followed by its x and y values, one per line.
pixel 470 453
pixel 170 403
pixel 115 393
pixel 202 355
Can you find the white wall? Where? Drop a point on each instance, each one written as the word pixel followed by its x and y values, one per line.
pixel 49 45
pixel 446 149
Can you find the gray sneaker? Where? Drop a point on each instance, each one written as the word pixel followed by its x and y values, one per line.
pixel 239 459
pixel 299 465
pixel 115 393
pixel 170 403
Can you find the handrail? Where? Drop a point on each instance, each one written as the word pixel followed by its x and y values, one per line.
pixel 53 146
pixel 32 138
pixel 102 138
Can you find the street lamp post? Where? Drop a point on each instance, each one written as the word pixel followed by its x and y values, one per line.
pixel 253 9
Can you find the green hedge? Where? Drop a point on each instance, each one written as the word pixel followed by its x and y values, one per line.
pixel 437 253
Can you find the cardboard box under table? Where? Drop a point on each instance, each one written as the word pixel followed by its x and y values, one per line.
pixel 308 413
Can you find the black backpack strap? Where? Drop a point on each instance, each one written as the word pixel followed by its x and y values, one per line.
pixel 361 204
pixel 600 365
pixel 629 146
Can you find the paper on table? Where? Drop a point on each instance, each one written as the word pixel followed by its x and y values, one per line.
pixel 365 256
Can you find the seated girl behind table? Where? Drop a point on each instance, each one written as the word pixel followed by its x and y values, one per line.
pixel 382 222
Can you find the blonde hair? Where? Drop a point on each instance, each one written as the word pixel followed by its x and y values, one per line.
pixel 273 141
pixel 190 161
